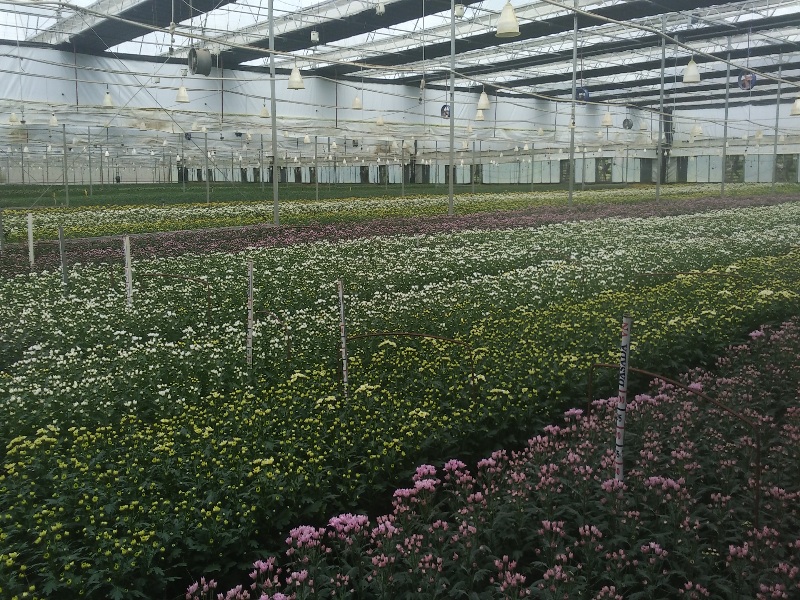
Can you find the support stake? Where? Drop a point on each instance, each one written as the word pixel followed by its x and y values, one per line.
pixel 63 254
pixel 622 403
pixel 250 313
pixel 343 332
pixel 126 248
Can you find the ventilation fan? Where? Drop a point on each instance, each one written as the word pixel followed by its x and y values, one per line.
pixel 627 124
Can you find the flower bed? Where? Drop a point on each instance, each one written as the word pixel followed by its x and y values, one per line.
pixel 551 521
pixel 138 442
pixel 85 222
pixel 15 260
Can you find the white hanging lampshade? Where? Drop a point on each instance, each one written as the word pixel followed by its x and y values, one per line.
pixel 49 147
pixel 106 154
pixel 13 119
pixel 344 161
pixel 334 146
pixel 107 101
pixel 540 132
pixel 195 126
pixel 307 139
pixel 507 24
pixel 483 101
pixel 525 148
pixel 264 114
pixel 25 150
pixel 183 95
pixel 53 120
pixel 479 115
pixel 459 10
pixel 296 80
pixel 357 105
pixel 691 74
pixel 142 126
pixel 795 112
pixel 380 8
pixel 607 120
pixel 782 138
pixel 759 134
pixel 697 131
pixel 470 129
pixel 133 151
pixel 379 121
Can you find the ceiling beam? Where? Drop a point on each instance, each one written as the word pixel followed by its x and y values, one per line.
pixel 534 30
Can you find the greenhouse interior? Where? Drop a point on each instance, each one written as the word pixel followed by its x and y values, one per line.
pixel 394 92
pixel 399 300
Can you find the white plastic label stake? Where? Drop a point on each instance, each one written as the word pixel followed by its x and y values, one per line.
pixel 622 402
pixel 126 247
pixel 343 332
pixel 250 313
pixel 63 253
pixel 30 238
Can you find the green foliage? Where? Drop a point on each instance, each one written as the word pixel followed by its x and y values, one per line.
pixel 139 447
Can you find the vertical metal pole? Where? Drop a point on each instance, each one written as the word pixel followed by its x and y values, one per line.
pixel 627 162
pixel 207 174
pixel 47 165
pixel 30 238
pixel 250 313
pixel 89 150
pixel 777 124
pixel 725 124
pixel 660 148
pixel 572 173
pixel 622 402
pixel 316 171
pixel 583 170
pixel 275 168
pixel 66 179
pixel 343 333
pixel 261 166
pixel 451 166
pixel 182 166
pixel 531 163
pixel 101 166
pixel 2 233
pixel 63 255
pixel 402 168
pixel 126 249
pixel 474 167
